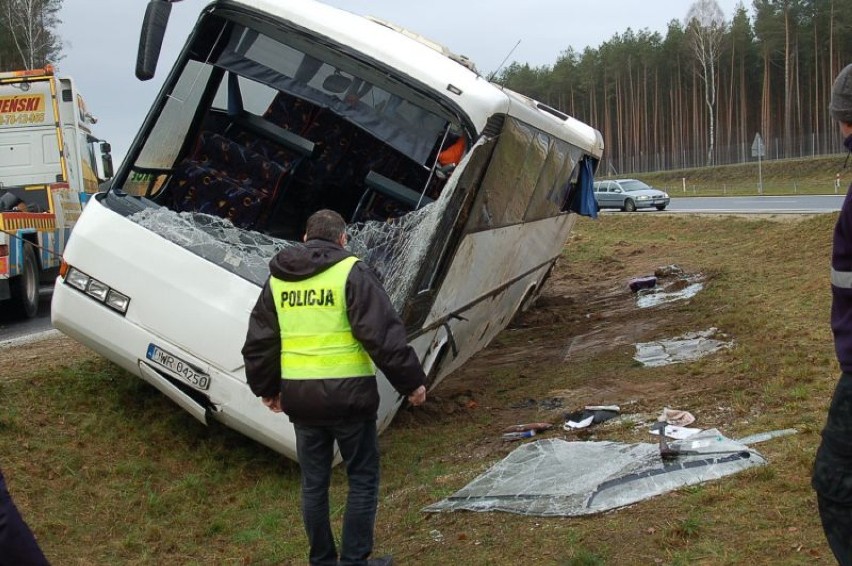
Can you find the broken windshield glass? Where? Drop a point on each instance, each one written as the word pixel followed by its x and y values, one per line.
pixel 393 248
pixel 552 477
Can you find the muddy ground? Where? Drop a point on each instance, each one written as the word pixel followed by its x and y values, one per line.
pixel 580 319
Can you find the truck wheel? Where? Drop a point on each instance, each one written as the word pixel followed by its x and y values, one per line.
pixel 24 287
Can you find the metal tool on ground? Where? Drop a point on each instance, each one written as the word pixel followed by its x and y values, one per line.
pixel 669 452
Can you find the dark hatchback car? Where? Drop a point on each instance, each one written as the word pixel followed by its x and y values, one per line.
pixel 628 195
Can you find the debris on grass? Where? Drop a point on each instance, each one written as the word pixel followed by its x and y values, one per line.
pixel 676 417
pixel 538 427
pixel 591 414
pixel 685 348
pixel 676 432
pixel 639 283
pixel 764 436
pixel 668 284
pixel 661 295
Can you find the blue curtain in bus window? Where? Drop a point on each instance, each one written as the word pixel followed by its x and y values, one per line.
pixel 584 202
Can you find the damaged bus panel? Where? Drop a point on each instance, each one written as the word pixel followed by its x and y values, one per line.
pixel 460 195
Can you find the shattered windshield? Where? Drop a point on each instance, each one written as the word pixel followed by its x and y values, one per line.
pixel 553 477
pixel 393 249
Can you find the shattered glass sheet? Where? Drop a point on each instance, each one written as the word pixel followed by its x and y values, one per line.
pixel 395 248
pixel 686 348
pixel 553 477
pixel 242 252
pixel 661 295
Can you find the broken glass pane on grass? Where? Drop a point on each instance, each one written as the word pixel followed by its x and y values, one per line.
pixel 660 295
pixel 686 348
pixel 553 477
pixel 668 284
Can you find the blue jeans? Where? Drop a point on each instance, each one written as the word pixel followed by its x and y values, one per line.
pixel 359 446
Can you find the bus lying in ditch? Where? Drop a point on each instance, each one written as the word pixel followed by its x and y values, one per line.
pixel 460 194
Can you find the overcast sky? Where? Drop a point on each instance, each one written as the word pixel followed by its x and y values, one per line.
pixel 101 39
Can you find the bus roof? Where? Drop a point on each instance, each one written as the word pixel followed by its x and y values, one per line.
pixel 427 63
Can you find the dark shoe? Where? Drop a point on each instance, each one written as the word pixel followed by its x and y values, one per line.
pixel 383 561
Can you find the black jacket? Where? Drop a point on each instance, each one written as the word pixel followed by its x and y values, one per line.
pixel 374 323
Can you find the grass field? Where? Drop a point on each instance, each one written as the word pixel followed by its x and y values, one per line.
pixel 820 175
pixel 108 471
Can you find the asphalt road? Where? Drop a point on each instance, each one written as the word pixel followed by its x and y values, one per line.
pixel 13 329
pixel 789 204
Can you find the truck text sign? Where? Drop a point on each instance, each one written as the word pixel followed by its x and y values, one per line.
pixel 21 109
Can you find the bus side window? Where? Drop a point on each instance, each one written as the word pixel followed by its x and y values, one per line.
pixel 507 188
pixel 554 181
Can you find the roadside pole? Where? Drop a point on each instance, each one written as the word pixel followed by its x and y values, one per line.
pixel 758 150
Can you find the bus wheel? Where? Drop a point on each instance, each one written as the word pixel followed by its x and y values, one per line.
pixel 24 287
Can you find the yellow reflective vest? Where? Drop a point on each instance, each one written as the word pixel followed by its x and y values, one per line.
pixel 316 338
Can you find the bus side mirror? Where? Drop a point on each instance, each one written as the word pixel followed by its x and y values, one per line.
pixel 106 160
pixel 151 38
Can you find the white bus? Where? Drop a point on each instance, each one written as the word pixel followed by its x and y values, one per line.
pixel 272 111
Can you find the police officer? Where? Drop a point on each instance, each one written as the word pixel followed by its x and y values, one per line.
pixel 321 326
pixel 832 474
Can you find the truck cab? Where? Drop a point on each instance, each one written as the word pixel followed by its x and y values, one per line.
pixel 50 163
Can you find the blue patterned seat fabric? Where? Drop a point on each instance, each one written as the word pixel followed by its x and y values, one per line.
pixel 227 179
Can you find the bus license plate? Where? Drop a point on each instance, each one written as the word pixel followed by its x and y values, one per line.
pixel 178 367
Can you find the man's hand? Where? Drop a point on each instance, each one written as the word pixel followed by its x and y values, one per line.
pixel 274 403
pixel 418 397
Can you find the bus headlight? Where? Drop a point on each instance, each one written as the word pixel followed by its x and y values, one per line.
pixel 77 279
pixel 117 301
pixel 98 290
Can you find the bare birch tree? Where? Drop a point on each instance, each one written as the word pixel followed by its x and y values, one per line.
pixel 705 24
pixel 31 25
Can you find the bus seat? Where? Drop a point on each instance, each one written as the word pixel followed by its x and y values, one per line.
pixel 290 112
pixel 396 191
pixel 226 179
pixel 385 198
pixel 335 176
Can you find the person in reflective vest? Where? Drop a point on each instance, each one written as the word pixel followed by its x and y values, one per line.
pixel 321 327
pixel 832 472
